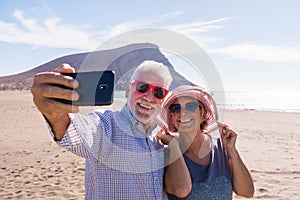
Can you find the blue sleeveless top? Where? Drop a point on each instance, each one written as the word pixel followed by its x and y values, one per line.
pixel 212 181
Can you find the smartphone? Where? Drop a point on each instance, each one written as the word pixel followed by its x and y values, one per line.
pixel 95 88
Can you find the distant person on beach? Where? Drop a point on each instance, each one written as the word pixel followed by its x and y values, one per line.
pixel 200 167
pixel 123 158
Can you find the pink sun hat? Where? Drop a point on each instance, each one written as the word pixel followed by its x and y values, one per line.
pixel 196 92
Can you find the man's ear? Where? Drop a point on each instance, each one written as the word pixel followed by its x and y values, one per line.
pixel 127 90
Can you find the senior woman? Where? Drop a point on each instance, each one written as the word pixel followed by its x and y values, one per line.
pixel 200 167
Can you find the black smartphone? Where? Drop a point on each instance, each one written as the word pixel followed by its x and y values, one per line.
pixel 95 88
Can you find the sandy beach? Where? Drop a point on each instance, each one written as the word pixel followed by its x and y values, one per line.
pixel 32 166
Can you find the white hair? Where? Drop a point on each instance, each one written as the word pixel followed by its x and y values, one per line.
pixel 153 67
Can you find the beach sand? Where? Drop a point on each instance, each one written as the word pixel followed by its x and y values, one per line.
pixel 32 166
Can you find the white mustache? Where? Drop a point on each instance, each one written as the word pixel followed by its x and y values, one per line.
pixel 147 104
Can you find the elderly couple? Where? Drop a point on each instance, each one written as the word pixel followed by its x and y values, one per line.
pixel 129 157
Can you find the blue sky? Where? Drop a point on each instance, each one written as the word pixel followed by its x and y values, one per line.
pixel 255 45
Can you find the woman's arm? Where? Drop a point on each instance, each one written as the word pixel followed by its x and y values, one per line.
pixel 241 177
pixel 177 180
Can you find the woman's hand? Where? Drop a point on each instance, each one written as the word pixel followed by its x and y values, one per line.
pixel 164 137
pixel 228 137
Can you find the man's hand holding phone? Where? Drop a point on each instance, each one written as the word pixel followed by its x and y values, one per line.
pixel 61 92
pixel 45 92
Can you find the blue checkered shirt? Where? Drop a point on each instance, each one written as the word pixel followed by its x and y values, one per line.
pixel 122 160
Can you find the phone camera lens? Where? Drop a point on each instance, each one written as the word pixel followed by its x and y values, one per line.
pixel 103 87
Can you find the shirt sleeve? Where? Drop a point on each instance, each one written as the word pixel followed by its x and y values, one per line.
pixel 83 136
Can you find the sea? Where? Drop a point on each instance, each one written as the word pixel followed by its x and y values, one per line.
pixel 278 101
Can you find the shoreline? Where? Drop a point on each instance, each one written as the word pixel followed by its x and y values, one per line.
pixel 34 167
pixel 118 101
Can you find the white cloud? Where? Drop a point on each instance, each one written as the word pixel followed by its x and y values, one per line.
pixel 195 30
pixel 198 26
pixel 139 23
pixel 29 24
pixel 50 32
pixel 264 53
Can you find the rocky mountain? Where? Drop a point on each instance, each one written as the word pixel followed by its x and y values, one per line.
pixel 122 60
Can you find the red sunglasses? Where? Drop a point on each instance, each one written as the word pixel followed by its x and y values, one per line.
pixel 157 91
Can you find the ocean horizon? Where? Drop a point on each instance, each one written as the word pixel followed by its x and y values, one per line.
pixel 277 101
